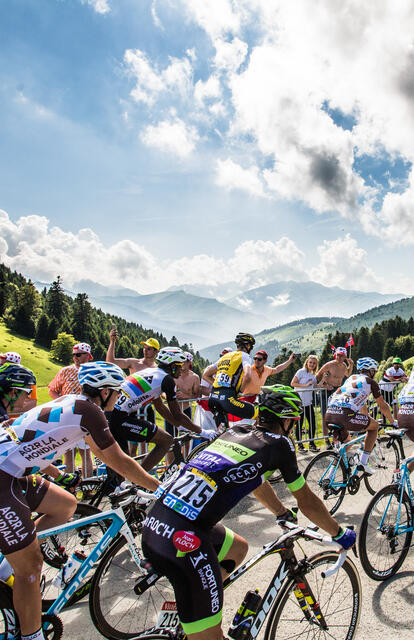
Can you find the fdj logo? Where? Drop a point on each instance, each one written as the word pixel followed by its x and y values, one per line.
pixel 243 473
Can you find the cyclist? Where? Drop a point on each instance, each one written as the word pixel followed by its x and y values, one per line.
pixel 27 445
pixel 145 387
pixel 229 375
pixel 347 410
pixel 183 537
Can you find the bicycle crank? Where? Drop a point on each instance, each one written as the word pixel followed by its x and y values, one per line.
pixel 353 485
pixel 52 626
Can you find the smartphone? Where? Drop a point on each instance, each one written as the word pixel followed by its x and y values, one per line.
pixel 297 355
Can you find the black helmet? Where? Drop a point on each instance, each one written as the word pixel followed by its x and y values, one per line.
pixel 14 376
pixel 245 340
pixel 280 401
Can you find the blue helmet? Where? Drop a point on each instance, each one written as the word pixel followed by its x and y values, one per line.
pixel 101 375
pixel 366 364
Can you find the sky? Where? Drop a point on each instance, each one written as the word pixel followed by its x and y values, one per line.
pixel 152 143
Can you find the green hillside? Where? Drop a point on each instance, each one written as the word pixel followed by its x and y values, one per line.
pixel 33 357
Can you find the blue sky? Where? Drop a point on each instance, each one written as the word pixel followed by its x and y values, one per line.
pixel 206 142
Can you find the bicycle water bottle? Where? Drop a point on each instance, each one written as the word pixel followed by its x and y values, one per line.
pixel 69 569
pixel 243 619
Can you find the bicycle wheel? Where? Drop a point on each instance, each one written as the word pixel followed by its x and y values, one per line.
pixel 116 611
pixel 382 550
pixel 338 596
pixel 197 449
pixel 384 459
pixel 57 548
pixel 318 476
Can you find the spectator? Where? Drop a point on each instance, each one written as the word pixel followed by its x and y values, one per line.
pixel 188 387
pixel 330 376
pixel 303 378
pixel 260 372
pixel 388 384
pixel 65 382
pixel 151 347
pixel 31 400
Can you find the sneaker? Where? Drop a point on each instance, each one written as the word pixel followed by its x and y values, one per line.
pixel 313 447
pixel 329 446
pixel 366 468
pixel 301 448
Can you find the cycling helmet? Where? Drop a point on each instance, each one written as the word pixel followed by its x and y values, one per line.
pixel 396 361
pixel 100 375
pixel 245 340
pixel 14 376
pixel 366 364
pixel 169 356
pixel 279 400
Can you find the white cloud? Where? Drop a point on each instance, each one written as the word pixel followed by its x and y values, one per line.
pixel 100 6
pixel 230 55
pixel 172 136
pixel 207 90
pixel 279 301
pixel 244 303
pixel 232 176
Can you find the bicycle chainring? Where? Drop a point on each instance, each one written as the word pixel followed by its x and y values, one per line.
pixel 54 626
pixel 353 485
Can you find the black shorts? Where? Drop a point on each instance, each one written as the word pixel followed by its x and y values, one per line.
pixel 18 498
pixel 226 400
pixel 173 431
pixel 189 556
pixel 347 420
pixel 130 428
pixel 406 418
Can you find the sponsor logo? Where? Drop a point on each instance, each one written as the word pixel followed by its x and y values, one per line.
pixel 180 507
pixel 242 473
pixel 41 447
pixel 209 582
pixel 12 529
pixel 231 450
pixel 195 561
pixel 186 541
pixel 160 528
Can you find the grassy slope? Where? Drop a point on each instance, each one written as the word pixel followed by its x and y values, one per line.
pixel 33 357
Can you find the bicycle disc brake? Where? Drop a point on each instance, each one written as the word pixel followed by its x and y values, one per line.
pixel 52 626
pixel 353 485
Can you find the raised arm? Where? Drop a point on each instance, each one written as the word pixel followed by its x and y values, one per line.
pixel 284 365
pixel 124 363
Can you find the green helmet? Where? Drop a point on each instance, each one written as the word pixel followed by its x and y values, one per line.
pixel 396 361
pixel 279 400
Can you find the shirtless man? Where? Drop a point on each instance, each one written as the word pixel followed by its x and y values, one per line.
pixel 330 376
pixel 188 387
pixel 151 348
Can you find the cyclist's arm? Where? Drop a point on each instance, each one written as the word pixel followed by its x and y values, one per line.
pixel 314 509
pixel 247 377
pixel 163 442
pixel 114 457
pixel 178 418
pixel 268 498
pixel 384 408
pixel 210 373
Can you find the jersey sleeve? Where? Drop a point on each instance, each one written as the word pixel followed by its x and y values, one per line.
pixel 286 462
pixel 56 384
pixel 375 390
pixel 168 387
pixel 246 359
pixel 94 423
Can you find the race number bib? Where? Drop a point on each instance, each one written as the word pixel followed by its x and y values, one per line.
pixel 223 380
pixel 190 493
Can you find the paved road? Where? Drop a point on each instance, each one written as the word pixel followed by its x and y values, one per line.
pixel 387 609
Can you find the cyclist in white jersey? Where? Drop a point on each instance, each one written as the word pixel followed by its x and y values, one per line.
pixel 347 409
pixel 27 445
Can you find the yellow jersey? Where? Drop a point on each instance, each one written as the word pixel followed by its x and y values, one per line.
pixel 230 370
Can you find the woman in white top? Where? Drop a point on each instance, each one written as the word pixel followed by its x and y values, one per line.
pixel 304 378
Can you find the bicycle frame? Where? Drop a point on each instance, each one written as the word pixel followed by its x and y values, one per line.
pixel 404 484
pixel 342 455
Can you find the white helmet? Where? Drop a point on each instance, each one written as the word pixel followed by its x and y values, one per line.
pixel 366 364
pixel 170 356
pixel 100 375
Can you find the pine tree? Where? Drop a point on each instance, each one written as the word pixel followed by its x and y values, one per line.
pixel 42 331
pixel 82 317
pixel 56 304
pixel 23 315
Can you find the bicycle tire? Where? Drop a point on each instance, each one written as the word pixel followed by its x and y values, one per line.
pixel 88 489
pixel 378 549
pixel 384 459
pixel 71 540
pixel 197 449
pixel 314 475
pixel 116 611
pixel 331 593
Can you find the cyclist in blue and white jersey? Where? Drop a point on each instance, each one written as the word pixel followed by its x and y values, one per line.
pixel 347 408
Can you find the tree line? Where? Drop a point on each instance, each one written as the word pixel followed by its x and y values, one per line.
pixel 56 321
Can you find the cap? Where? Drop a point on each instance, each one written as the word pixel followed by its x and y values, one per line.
pixel 396 360
pixel 226 350
pixel 262 353
pixel 189 356
pixel 11 356
pixel 152 342
pixel 82 347
pixel 340 351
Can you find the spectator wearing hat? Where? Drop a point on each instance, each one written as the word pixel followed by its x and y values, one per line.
pixel 66 381
pixel 31 400
pixel 188 387
pixel 260 372
pixel 151 346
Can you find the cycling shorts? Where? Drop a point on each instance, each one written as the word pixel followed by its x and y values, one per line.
pixel 406 418
pixel 18 498
pixel 190 558
pixel 130 428
pixel 227 401
pixel 347 420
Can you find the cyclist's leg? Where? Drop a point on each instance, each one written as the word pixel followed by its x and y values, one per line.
pixel 69 460
pixel 231 548
pixel 162 441
pixel 56 504
pixel 372 434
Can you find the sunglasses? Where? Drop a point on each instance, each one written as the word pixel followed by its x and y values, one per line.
pixel 78 355
pixel 259 359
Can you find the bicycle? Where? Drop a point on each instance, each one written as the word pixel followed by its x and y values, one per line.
pixel 121 523
pixel 331 473
pixel 387 527
pixel 296 594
